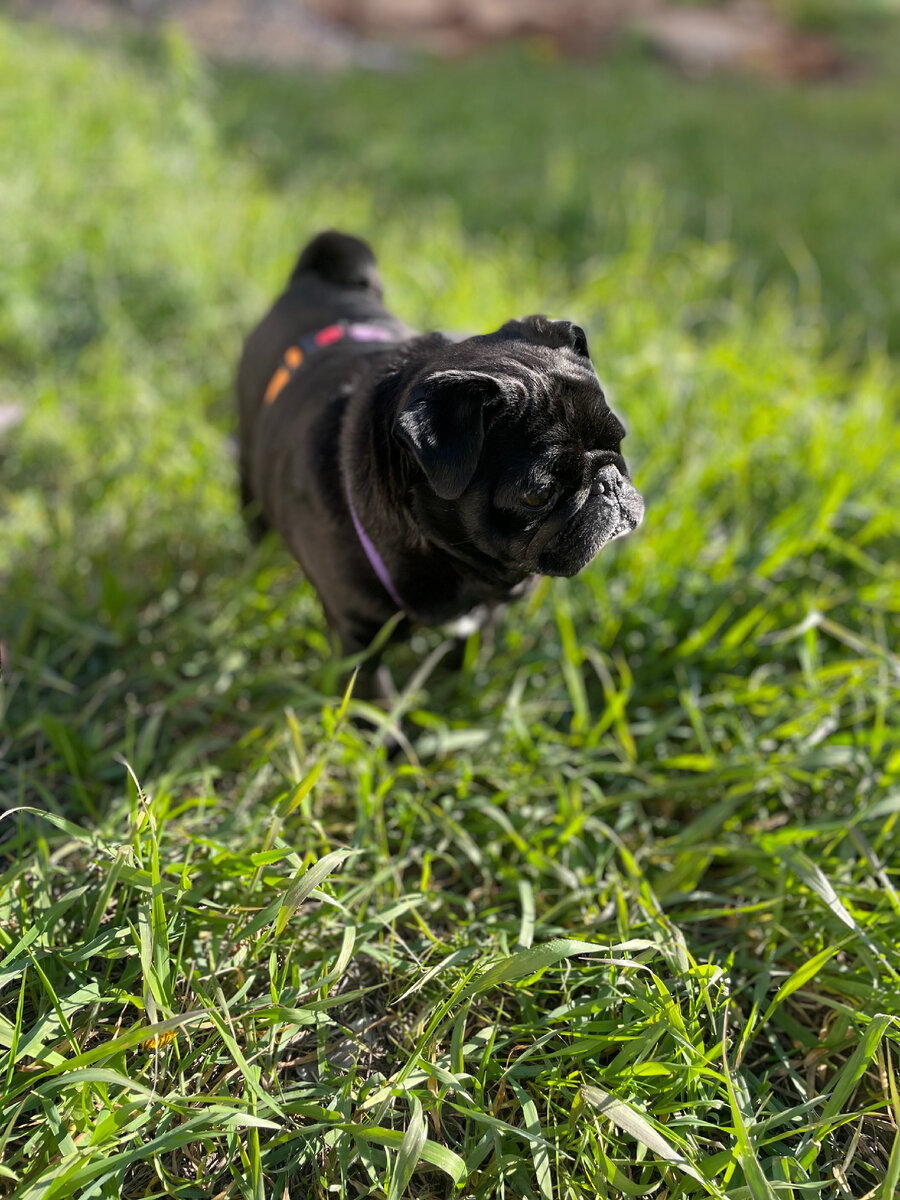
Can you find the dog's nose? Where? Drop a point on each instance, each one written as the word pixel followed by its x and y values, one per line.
pixel 608 480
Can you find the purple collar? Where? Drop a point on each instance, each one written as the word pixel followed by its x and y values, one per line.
pixel 375 560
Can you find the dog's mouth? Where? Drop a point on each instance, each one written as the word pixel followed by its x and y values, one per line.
pixel 625 526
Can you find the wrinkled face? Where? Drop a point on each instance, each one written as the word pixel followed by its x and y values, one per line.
pixel 520 454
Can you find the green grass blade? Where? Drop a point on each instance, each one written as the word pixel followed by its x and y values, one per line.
pixel 306 883
pixel 409 1153
pixel 538 1150
pixel 627 1118
pixel 526 962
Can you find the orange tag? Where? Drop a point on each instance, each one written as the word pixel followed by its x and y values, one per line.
pixel 276 383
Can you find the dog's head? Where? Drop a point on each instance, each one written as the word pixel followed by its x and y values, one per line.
pixel 516 455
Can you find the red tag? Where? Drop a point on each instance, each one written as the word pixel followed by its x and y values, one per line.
pixel 331 333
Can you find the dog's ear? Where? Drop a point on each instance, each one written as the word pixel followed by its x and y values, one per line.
pixel 558 335
pixel 574 336
pixel 442 424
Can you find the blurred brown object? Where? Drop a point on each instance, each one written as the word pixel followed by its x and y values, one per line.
pixel 745 37
pixel 276 31
pixel 458 26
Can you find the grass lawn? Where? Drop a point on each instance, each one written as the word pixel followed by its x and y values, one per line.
pixel 624 919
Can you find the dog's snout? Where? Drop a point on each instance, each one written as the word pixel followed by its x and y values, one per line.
pixel 608 480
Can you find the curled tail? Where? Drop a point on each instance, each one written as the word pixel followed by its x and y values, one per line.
pixel 341 259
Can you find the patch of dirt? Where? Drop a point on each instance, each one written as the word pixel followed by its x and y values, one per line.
pixel 744 36
pixel 451 27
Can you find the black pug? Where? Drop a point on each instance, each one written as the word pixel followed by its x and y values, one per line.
pixel 413 472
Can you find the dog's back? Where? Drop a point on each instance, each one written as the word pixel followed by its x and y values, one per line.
pixel 336 277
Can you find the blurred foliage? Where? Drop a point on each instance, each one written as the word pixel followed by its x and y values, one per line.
pixel 550 152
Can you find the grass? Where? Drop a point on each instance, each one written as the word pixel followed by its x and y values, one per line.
pixel 624 919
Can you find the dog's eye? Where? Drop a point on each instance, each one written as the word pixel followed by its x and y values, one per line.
pixel 538 497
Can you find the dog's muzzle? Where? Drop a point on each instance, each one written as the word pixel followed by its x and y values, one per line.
pixel 611 508
pixel 622 506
